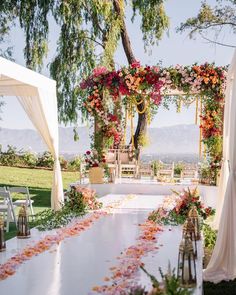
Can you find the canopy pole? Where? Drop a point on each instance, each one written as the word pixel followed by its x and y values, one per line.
pixel 200 130
pixel 125 129
pixel 196 113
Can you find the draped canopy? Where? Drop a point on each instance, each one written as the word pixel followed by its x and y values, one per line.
pixel 37 95
pixel 222 265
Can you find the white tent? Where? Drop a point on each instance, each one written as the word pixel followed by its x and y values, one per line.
pixel 37 95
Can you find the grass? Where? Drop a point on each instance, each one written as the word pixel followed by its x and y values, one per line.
pixel 39 182
pixel 223 288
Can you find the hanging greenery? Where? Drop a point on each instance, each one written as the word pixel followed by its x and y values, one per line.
pixel 89 34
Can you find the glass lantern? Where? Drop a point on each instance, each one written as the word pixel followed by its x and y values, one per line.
pixel 2 238
pixel 186 263
pixel 189 229
pixel 193 215
pixel 23 224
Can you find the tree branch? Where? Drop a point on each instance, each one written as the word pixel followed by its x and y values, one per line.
pixel 207 26
pixel 93 17
pixel 203 26
pixel 124 34
pixel 215 42
pixel 95 41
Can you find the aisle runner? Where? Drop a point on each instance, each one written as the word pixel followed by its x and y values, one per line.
pixel 125 273
pixel 10 266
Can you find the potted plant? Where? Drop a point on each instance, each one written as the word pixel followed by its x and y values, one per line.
pixel 95 165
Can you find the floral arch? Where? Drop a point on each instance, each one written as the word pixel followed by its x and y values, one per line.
pixel 109 96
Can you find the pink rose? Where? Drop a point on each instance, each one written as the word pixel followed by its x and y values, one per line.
pixel 135 64
pixel 99 71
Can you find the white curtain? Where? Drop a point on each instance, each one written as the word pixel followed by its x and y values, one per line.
pixel 222 265
pixel 42 111
pixel 37 95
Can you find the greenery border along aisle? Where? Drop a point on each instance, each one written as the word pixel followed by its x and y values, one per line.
pixel 79 201
pixel 175 208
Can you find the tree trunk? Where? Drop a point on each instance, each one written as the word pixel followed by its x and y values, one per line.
pixel 141 126
pixel 142 118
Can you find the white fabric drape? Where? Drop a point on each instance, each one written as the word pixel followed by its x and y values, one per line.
pixel 222 265
pixel 37 95
pixel 42 111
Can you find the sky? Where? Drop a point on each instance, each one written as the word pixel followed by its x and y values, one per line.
pixel 173 49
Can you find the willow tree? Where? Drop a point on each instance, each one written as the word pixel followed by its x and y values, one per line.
pixel 90 31
pixel 215 19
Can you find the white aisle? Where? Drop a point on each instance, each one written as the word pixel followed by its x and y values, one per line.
pixel 80 263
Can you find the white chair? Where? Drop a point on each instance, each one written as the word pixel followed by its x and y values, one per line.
pixel 24 191
pixel 7 208
pixel 166 173
pixel 146 170
pixel 83 173
pixel 190 172
pixel 127 167
pixel 111 161
pixel 2 190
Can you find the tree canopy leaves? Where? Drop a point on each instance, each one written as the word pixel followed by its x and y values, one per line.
pixel 90 31
pixel 212 18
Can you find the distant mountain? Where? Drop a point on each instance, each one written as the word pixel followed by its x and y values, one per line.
pixel 178 139
pixel 29 139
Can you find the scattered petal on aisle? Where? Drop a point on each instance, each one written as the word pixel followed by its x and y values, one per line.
pixel 75 229
pixel 123 276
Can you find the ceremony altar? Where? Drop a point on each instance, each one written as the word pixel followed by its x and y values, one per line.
pixel 82 263
pixel 132 186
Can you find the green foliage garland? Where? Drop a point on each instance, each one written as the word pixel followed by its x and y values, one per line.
pixel 153 86
pixel 79 201
pixel 210 236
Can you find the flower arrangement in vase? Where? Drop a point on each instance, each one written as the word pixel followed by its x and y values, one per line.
pixel 83 197
pixel 95 163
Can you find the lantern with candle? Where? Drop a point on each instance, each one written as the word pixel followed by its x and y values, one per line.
pixel 189 229
pixel 2 239
pixel 23 224
pixel 194 217
pixel 186 263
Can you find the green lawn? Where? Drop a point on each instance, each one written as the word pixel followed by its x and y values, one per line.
pixel 39 182
pixel 223 288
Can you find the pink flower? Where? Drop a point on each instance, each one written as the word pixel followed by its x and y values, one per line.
pixel 158 85
pixel 135 64
pixel 155 69
pixel 112 118
pixel 99 71
pixel 83 85
pixel 156 97
pixel 123 89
